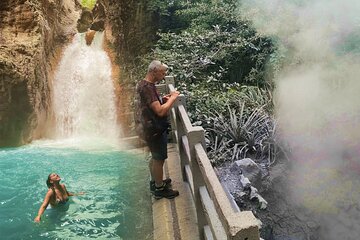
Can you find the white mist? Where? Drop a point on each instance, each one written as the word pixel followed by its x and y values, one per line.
pixel 318 104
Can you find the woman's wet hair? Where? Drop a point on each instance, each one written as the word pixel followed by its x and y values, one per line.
pixel 48 183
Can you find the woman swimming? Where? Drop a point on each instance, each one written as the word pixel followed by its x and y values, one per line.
pixel 56 195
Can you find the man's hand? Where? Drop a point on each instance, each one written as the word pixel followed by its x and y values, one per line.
pixel 173 94
pixel 166 98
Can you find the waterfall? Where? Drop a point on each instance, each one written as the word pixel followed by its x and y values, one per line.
pixel 84 98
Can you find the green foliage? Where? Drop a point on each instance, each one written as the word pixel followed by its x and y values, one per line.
pixel 214 57
pixel 220 64
pixel 159 6
pixel 88 3
pixel 217 48
pixel 247 131
pixel 202 102
pixel 241 135
pixel 206 14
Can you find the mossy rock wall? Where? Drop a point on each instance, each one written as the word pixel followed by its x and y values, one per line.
pixel 130 28
pixel 132 25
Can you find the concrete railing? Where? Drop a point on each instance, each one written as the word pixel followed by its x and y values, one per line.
pixel 217 214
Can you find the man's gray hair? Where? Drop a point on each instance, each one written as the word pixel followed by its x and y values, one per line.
pixel 155 65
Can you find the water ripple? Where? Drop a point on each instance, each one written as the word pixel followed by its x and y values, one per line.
pixel 109 209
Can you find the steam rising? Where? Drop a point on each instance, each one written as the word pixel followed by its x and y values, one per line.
pixel 318 103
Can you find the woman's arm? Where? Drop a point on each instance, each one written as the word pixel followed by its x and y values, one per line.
pixel 72 194
pixel 44 205
pixel 76 194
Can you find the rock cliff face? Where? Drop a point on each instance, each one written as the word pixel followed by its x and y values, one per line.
pixel 32 34
pixel 130 27
pixel 133 25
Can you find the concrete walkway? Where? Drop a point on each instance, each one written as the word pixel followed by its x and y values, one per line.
pixel 175 218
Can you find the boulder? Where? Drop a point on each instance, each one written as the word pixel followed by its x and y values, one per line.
pixel 92 19
pixel 98 25
pixel 85 20
pixel 249 169
pixel 89 37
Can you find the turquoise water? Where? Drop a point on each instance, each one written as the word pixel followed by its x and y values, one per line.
pixel 117 203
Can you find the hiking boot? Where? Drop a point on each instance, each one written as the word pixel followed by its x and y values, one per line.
pixel 164 192
pixel 167 181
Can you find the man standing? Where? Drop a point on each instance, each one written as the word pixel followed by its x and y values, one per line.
pixel 152 116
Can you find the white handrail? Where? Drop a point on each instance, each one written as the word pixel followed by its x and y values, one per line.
pixel 216 216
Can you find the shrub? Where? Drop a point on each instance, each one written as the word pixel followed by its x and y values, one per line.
pixel 244 135
pixel 215 57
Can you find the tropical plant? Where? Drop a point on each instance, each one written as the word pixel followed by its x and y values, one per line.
pixel 215 57
pixel 202 102
pixel 245 135
pixel 217 148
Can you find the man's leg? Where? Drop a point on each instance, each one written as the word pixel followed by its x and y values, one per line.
pixel 161 187
pixel 151 169
pixel 167 181
pixel 158 172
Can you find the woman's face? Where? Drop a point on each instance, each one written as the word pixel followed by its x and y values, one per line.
pixel 54 178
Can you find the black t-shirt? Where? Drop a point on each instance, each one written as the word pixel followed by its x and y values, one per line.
pixel 147 94
pixel 147 121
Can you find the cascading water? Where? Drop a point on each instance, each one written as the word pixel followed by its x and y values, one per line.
pixel 84 99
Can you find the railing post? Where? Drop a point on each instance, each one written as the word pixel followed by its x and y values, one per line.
pixel 170 86
pixel 195 136
pixel 176 124
pixel 180 132
pixel 169 80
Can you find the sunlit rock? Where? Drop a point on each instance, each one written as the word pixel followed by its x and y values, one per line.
pixel 89 36
pixel 31 36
